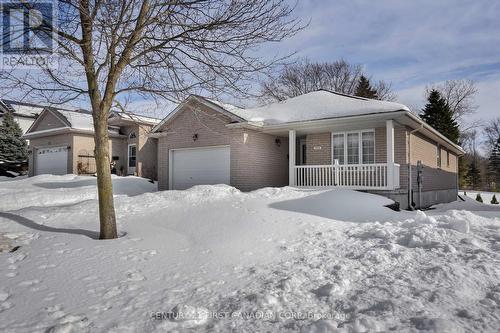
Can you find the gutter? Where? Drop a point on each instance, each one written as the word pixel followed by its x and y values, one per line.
pixel 410 181
pixel 305 123
pixel 423 124
pixel 65 130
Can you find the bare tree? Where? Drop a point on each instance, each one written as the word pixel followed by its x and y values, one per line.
pixel 384 91
pixel 492 131
pixel 112 48
pixel 305 76
pixel 459 95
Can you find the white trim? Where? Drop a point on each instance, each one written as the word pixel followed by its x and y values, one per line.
pixel 389 132
pixel 63 130
pixel 128 158
pixel 360 145
pixel 291 156
pixel 170 151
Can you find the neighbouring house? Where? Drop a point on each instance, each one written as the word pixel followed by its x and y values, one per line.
pixel 317 140
pixel 24 113
pixel 62 142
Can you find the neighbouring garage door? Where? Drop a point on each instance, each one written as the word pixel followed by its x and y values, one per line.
pixel 200 166
pixel 51 161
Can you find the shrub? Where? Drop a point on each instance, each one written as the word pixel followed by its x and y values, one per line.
pixel 478 197
pixel 494 200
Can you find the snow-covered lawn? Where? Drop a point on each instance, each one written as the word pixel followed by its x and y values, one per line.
pixel 486 196
pixel 213 258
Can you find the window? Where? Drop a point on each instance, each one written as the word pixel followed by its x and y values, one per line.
pixel 132 150
pixel 438 156
pixel 447 158
pixel 132 135
pixel 338 147
pixel 368 147
pixel 354 147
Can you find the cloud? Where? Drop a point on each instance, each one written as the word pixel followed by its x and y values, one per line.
pixel 401 39
pixel 410 43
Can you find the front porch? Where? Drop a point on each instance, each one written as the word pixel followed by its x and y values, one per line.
pixel 354 157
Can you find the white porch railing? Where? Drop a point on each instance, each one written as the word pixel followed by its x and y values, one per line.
pixel 355 176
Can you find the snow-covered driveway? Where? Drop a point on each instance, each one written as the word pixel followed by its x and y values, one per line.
pixel 213 258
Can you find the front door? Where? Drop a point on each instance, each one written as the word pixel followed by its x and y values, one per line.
pixel 132 152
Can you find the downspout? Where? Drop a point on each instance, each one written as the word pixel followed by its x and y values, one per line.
pixel 410 185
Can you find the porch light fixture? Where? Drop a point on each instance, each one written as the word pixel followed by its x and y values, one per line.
pixel 195 136
pixel 278 142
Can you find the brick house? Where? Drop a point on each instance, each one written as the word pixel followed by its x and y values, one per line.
pixel 317 140
pixel 62 141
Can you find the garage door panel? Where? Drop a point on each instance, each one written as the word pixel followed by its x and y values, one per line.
pixel 52 160
pixel 204 166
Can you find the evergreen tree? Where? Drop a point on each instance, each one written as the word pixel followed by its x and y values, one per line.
pixel 364 88
pixel 473 175
pixel 12 146
pixel 479 198
pixel 494 166
pixel 494 200
pixel 437 113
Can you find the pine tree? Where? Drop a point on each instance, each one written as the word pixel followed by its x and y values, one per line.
pixel 479 198
pixel 494 200
pixel 473 175
pixel 364 88
pixel 13 148
pixel 494 166
pixel 437 113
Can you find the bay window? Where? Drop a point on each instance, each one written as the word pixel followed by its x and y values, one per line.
pixel 354 147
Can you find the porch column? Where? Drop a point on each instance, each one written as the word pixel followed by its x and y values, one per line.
pixel 291 157
pixel 389 127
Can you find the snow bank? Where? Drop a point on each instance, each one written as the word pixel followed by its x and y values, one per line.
pixel 50 190
pixel 273 260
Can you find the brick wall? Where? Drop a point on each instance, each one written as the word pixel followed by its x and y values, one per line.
pixel 256 159
pixel 319 149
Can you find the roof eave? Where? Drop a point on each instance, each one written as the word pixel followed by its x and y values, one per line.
pixel 435 132
pixel 65 130
pixel 200 100
pixel 312 122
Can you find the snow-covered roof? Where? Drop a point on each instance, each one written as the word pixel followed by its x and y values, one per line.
pixel 22 109
pixel 228 107
pixel 321 104
pixel 137 118
pixel 78 119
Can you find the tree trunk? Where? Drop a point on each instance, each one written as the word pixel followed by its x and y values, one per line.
pixel 104 184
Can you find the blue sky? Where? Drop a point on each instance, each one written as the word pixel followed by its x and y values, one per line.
pixel 409 43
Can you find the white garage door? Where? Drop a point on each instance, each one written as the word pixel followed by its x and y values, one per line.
pixel 51 161
pixel 200 166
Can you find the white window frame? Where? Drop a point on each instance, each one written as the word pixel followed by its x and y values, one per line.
pixel 439 162
pixel 360 145
pixel 129 168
